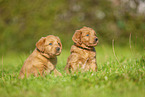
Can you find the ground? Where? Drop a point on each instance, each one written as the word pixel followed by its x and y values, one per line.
pixel 121 73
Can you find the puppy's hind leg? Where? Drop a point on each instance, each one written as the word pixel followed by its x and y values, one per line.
pixel 67 67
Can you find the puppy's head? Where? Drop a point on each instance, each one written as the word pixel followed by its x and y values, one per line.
pixel 85 37
pixel 50 45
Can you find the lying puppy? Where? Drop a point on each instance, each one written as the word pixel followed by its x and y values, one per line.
pixel 83 54
pixel 43 59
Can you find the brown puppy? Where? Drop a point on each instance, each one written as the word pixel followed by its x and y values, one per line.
pixel 43 59
pixel 83 54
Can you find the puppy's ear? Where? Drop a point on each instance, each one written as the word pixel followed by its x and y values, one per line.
pixel 40 44
pixel 59 42
pixel 77 37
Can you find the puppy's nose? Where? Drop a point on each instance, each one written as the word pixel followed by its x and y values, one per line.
pixel 96 39
pixel 57 49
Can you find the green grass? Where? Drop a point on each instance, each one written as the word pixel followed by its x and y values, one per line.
pixel 113 79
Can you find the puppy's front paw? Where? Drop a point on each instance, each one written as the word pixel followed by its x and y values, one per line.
pixel 57 73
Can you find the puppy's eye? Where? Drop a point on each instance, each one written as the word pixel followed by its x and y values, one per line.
pixel 50 43
pixel 87 35
pixel 59 44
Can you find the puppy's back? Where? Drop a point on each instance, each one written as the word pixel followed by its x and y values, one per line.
pixel 28 65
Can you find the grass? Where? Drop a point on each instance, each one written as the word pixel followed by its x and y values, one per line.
pixel 113 79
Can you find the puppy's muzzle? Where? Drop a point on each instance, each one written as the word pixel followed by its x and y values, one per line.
pixel 96 39
pixel 58 49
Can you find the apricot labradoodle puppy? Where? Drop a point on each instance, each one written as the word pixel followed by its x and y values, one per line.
pixel 43 60
pixel 83 54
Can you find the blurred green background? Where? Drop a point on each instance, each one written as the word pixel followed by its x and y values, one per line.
pixel 24 22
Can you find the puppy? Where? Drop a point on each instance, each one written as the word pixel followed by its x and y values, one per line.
pixel 83 54
pixel 43 59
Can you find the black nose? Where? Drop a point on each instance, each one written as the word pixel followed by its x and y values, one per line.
pixel 96 39
pixel 57 48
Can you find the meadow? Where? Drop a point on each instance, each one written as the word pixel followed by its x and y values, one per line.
pixel 121 64
pixel 121 73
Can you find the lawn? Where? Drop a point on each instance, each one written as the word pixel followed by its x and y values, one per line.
pixel 121 73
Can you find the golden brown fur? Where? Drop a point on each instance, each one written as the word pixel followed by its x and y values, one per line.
pixel 83 54
pixel 43 59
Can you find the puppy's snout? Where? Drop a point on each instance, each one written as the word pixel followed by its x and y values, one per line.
pixel 96 39
pixel 58 49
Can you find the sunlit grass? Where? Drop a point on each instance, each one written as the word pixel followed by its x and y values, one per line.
pixel 113 79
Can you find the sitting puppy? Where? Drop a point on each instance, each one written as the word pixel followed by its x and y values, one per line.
pixel 43 59
pixel 83 54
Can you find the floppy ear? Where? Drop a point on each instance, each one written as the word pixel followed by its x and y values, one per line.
pixel 40 44
pixel 77 37
pixel 59 42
